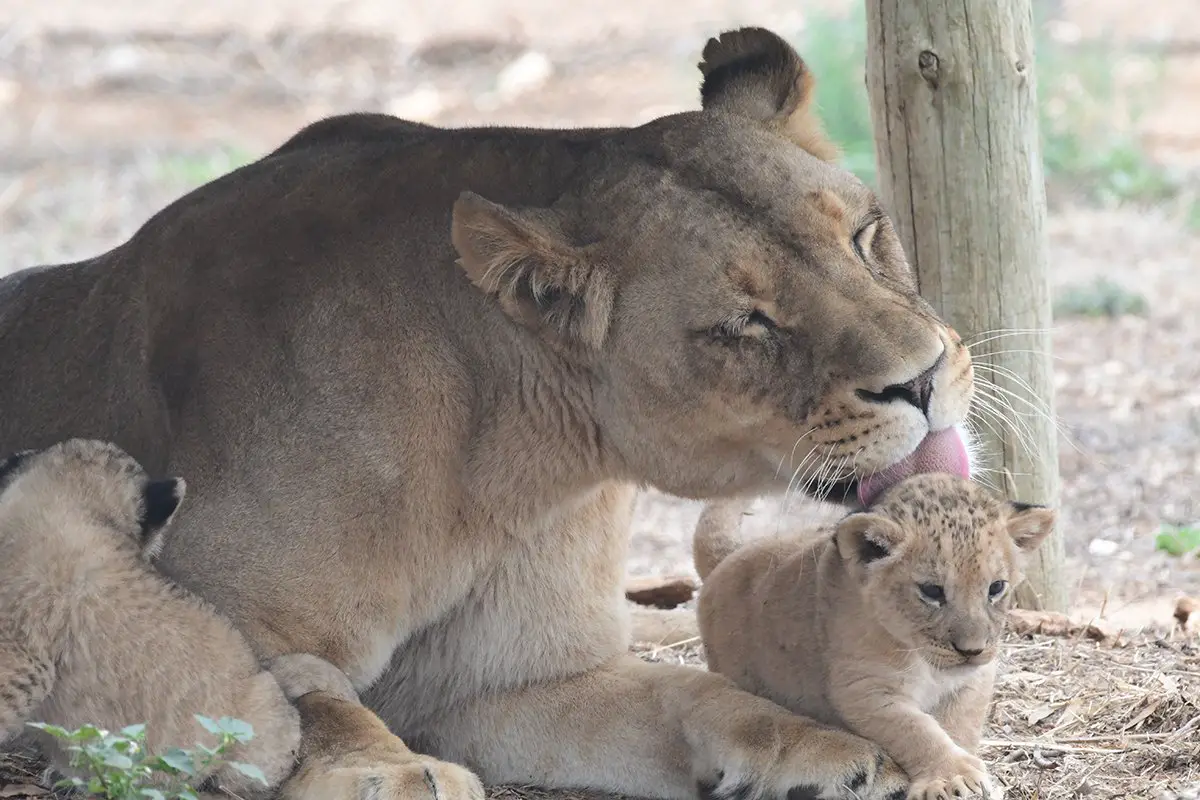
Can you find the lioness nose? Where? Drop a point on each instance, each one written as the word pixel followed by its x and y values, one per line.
pixel 918 391
pixel 968 652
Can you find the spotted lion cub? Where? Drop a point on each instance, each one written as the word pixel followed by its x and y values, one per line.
pixel 886 625
pixel 90 633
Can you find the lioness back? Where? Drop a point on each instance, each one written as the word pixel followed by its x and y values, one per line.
pixel 92 634
pixel 886 624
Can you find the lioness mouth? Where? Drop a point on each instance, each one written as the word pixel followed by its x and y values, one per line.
pixel 939 451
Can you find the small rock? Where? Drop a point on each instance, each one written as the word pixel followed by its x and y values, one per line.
pixel 1103 547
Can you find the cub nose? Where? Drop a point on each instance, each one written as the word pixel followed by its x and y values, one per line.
pixel 917 392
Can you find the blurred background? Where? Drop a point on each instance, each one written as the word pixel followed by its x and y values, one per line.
pixel 109 110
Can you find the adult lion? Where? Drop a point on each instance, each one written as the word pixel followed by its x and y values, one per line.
pixel 413 419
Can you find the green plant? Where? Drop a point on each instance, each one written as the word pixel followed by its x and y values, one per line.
pixel 190 171
pixel 1178 541
pixel 835 48
pixel 1088 115
pixel 1099 298
pixel 118 766
pixel 1087 108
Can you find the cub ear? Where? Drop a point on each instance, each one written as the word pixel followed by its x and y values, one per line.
pixel 867 537
pixel 753 73
pixel 542 281
pixel 1029 524
pixel 160 501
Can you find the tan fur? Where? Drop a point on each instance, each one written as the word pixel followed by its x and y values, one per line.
pixel 832 625
pixel 415 375
pixel 91 634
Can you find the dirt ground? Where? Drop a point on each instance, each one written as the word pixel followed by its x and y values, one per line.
pixel 110 110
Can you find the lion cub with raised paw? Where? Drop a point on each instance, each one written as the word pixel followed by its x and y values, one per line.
pixel 886 625
pixel 91 633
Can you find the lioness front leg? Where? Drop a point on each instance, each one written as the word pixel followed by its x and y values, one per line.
pixel 347 753
pixel 658 730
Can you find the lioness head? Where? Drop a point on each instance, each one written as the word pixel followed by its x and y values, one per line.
pixel 89 481
pixel 735 296
pixel 936 558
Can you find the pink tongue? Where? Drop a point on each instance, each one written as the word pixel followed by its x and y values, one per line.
pixel 943 451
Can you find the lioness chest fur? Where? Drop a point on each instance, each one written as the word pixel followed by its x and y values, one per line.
pixel 90 633
pixel 887 624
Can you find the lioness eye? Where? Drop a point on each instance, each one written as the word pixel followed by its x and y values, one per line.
pixel 863 238
pixel 997 588
pixel 931 592
pixel 757 317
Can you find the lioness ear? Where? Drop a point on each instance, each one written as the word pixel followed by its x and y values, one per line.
pixel 540 279
pixel 753 73
pixel 1029 525
pixel 160 501
pixel 867 537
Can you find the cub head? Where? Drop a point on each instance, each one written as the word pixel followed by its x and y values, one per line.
pixel 936 558
pixel 93 480
pixel 739 303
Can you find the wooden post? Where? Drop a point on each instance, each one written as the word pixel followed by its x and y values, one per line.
pixel 954 109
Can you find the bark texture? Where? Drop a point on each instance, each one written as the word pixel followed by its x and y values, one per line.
pixel 954 108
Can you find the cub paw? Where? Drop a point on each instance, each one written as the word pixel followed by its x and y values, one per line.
pixel 814 763
pixel 419 779
pixel 964 775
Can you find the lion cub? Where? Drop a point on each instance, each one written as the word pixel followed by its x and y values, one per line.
pixel 91 633
pixel 886 625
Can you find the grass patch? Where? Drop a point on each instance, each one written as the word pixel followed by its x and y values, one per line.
pixel 190 171
pixel 1099 298
pixel 1090 99
pixel 1178 541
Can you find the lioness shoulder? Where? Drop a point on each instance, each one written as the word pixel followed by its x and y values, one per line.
pixel 887 624
pixel 91 633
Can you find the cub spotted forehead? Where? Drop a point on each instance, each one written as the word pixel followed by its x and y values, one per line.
pixel 935 510
pixel 97 479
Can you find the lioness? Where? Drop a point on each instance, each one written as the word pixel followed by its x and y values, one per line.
pixel 415 375
pixel 887 624
pixel 90 633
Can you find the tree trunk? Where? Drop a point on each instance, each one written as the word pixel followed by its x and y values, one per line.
pixel 954 108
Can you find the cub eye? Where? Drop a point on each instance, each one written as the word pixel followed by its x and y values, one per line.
pixel 932 593
pixel 863 238
pixel 996 589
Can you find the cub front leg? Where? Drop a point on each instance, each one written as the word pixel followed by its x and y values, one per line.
pixel 347 753
pixel 661 731
pixel 26 679
pixel 963 714
pixel 939 768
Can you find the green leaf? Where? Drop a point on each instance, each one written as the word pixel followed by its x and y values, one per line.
pixel 153 794
pixel 1178 541
pixel 134 731
pixel 210 725
pixel 250 771
pixel 186 794
pixel 53 730
pixel 242 731
pixel 117 761
pixel 178 760
pixel 89 732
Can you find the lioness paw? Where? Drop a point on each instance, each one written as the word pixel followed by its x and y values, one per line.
pixel 421 778
pixel 962 776
pixel 818 764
